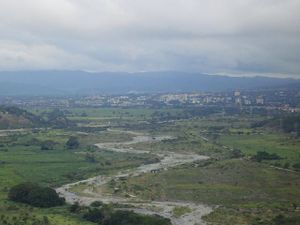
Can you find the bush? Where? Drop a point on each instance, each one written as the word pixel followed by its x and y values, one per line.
pixel 262 155
pixel 72 143
pixel 94 215
pixel 32 141
pixel 286 165
pixel 57 119
pixel 35 195
pixel 236 153
pixel 283 220
pixel 107 217
pixel 75 208
pixel 96 204
pixel 90 158
pixel 125 217
pixel 48 145
pixel 20 192
pixel 296 166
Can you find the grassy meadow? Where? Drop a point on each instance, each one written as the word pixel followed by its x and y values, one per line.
pixel 242 190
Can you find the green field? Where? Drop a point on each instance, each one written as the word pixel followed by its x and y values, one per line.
pixel 281 144
pixel 242 190
pixel 21 159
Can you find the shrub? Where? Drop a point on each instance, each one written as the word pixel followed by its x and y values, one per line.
pixel 20 192
pixel 90 158
pixel 35 195
pixel 72 143
pixel 94 215
pixel 262 155
pixel 75 208
pixel 125 217
pixel 286 165
pixel 105 216
pixel 236 153
pixel 283 220
pixel 296 166
pixel 48 145
pixel 32 141
pixel 96 204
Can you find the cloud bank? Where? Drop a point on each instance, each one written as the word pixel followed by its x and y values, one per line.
pixel 215 37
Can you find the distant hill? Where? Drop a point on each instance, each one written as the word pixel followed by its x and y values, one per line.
pixel 14 118
pixel 79 83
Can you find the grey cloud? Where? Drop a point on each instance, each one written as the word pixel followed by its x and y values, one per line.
pixel 216 36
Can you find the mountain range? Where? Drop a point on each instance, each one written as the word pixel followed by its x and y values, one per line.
pixel 84 83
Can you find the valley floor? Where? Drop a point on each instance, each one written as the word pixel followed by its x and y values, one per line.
pixel 193 171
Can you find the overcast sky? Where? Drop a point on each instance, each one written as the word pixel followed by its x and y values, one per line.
pixel 246 37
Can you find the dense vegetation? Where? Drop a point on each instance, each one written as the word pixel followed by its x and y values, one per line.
pixel 287 124
pixel 13 117
pixel 106 216
pixel 72 143
pixel 262 155
pixel 57 119
pixel 35 195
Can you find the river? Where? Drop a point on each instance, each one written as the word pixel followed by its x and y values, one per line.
pixel 162 208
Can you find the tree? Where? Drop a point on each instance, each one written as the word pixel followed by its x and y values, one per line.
pixel 46 220
pixel 75 208
pixel 127 217
pixel 58 119
pixel 94 215
pixel 296 166
pixel 35 195
pixel 72 143
pixel 262 155
pixel 96 204
pixel 48 145
pixel 19 193
pixel 90 158
pixel 236 153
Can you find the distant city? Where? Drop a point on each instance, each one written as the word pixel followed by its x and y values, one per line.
pixel 284 100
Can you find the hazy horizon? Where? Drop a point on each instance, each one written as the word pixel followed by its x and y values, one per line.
pixel 233 75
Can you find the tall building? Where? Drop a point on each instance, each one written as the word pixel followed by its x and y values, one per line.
pixel 237 93
pixel 260 100
pixel 237 100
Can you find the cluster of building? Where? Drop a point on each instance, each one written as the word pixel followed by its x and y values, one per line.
pixel 286 100
pixel 248 100
pixel 213 98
